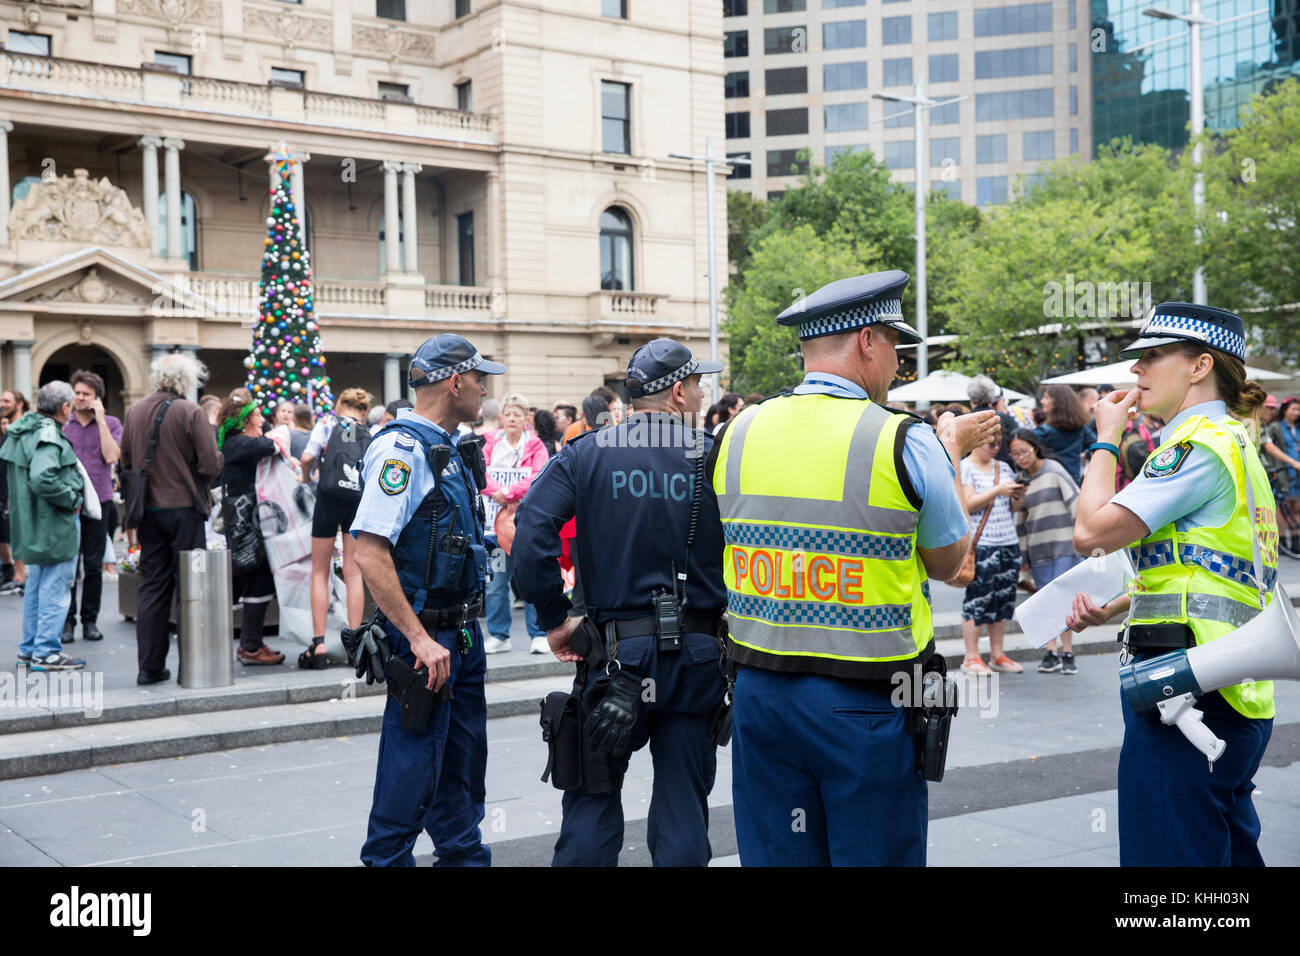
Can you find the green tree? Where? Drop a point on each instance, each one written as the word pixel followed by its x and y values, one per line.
pixel 787 266
pixel 745 215
pixel 1252 186
pixel 1082 246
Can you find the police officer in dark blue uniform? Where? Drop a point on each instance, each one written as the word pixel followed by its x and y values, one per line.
pixel 421 549
pixel 655 598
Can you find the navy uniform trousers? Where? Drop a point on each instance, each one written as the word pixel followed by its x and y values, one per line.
pixel 823 774
pixel 686 686
pixel 1172 810
pixel 434 780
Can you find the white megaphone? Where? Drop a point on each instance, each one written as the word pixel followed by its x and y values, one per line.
pixel 1267 648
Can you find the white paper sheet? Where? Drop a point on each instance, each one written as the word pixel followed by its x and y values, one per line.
pixel 1042 616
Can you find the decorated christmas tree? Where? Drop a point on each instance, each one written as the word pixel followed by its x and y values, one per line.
pixel 286 362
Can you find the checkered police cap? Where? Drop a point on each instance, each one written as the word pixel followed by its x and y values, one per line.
pixel 1171 322
pixel 872 299
pixel 446 355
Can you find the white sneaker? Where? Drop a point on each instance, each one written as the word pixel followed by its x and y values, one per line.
pixel 495 645
pixel 540 646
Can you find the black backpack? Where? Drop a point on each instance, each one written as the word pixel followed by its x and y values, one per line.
pixel 340 469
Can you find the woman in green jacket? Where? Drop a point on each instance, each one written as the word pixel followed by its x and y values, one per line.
pixel 45 497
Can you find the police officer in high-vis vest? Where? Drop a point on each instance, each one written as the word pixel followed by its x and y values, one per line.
pixel 836 511
pixel 1187 526
pixel 421 549
pixel 650 547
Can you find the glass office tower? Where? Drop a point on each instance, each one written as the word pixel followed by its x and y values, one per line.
pixel 1144 95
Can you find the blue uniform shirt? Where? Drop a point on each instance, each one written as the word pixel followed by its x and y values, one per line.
pixel 630 487
pixel 390 495
pixel 943 518
pixel 1199 493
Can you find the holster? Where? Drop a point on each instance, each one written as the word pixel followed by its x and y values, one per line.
pixel 562 731
pixel 720 719
pixel 409 687
pixel 931 722
pixel 571 763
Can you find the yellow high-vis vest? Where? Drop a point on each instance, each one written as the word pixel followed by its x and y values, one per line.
pixel 1205 577
pixel 821 565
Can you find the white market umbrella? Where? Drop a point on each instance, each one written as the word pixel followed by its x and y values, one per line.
pixel 1117 373
pixel 941 386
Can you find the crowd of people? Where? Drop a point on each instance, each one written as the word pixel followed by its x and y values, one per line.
pixel 1020 492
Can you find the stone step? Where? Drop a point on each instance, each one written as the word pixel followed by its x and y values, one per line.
pixel 100 743
pixel 251 690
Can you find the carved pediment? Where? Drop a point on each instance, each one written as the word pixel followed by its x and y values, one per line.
pixel 79 209
pixel 90 287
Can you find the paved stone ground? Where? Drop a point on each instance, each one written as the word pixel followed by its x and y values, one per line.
pixel 1031 780
pixel 1033 784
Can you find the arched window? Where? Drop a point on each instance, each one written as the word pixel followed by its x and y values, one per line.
pixel 189 229
pixel 616 267
pixel 401 245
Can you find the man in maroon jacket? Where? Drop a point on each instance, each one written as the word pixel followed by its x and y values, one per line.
pixel 184 462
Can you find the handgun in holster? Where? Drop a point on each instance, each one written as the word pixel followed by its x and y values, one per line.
pixel 720 719
pixel 931 722
pixel 410 688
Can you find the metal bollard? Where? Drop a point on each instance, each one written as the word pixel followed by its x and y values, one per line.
pixel 206 626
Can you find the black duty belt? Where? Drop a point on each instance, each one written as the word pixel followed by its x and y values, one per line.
pixel 1143 638
pixel 445 618
pixel 691 624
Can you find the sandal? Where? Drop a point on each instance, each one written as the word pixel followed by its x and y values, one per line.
pixel 975 665
pixel 310 660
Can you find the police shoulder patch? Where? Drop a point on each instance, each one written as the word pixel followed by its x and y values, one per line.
pixel 394 476
pixel 1168 461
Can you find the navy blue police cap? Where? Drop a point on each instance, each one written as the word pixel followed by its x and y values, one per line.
pixel 445 355
pixel 662 363
pixel 846 304
pixel 1171 322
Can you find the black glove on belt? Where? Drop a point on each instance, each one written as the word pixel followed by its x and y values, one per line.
pixel 609 726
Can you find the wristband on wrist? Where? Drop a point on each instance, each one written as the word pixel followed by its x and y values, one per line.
pixel 1105 446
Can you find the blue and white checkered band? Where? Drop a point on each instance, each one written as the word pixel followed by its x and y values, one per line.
pixel 1215 336
pixel 879 311
pixel 438 374
pixel 672 378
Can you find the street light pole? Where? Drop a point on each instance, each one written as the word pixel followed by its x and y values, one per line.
pixel 710 162
pixel 922 317
pixel 1195 22
pixel 919 104
pixel 1198 126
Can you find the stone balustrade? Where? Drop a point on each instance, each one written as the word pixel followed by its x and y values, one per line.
pixel 42 74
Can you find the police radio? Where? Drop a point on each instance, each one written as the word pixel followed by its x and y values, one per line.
pixel 668 619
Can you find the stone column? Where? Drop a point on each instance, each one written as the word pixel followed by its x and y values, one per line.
pixel 299 197
pixel 6 128
pixel 491 217
pixel 391 249
pixel 150 146
pixel 409 170
pixel 23 371
pixel 393 377
pixel 172 185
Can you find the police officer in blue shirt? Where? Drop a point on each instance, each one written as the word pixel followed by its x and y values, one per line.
pixel 421 549
pixel 655 600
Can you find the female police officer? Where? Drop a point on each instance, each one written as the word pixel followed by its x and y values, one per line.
pixel 1190 533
